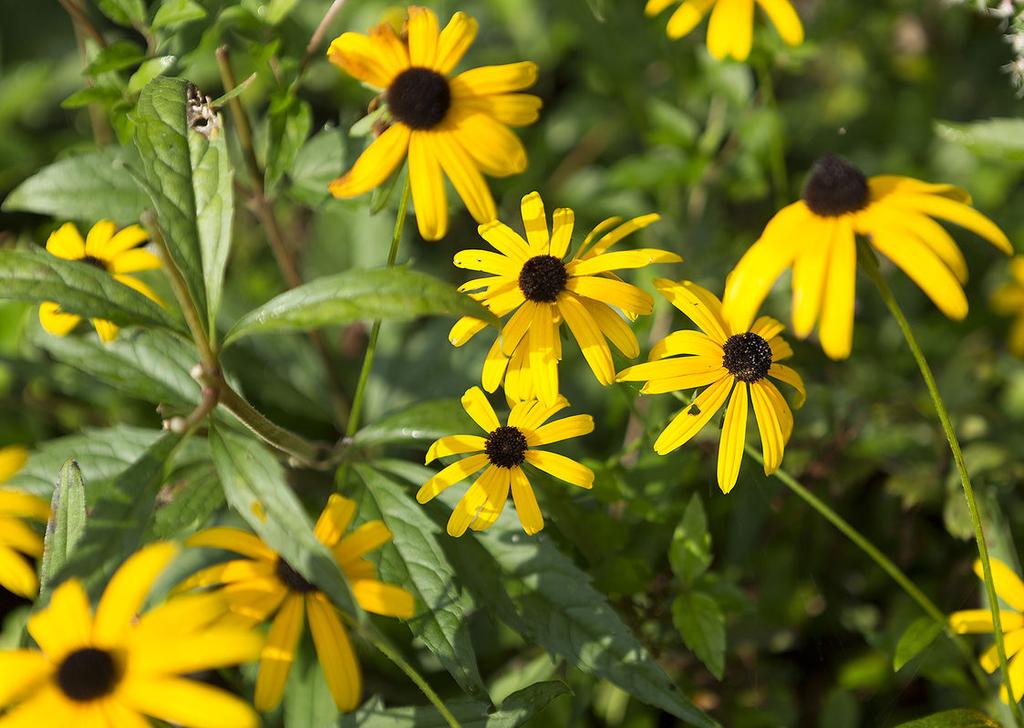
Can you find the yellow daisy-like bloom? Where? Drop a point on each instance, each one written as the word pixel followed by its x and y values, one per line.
pixel 1009 301
pixel 816 238
pixel 731 29
pixel 532 278
pixel 263 583
pixel 111 669
pixel 116 252
pixel 16 574
pixel 725 360
pixel 503 451
pixel 456 125
pixel 1011 590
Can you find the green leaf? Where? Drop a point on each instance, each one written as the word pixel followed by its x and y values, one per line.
pixel 290 120
pixel 418 424
pixel 319 161
pixel 953 719
pixel 1001 139
pixel 365 125
pixel 690 551
pixel 66 525
pixel 195 494
pixel 394 294
pixel 147 72
pixel 114 57
pixel 701 624
pixel 103 95
pixel 516 710
pixel 36 276
pixel 307 699
pixel 415 560
pixel 88 187
pixel 278 10
pixel 124 12
pixel 256 488
pixel 120 518
pixel 151 365
pixel 189 179
pixel 921 633
pixel 560 610
pixel 173 13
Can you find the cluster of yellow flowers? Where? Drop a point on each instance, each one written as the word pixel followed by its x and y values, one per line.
pixel 112 667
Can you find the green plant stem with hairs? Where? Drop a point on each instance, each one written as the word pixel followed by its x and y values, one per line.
pixel 869 264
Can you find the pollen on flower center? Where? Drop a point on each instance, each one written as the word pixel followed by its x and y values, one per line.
pixel 419 97
pixel 93 261
pixel 747 357
pixel 506 447
pixel 542 278
pixel 835 187
pixel 87 674
pixel 291 578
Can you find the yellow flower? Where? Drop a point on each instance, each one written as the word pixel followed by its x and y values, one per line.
pixel 816 237
pixel 263 583
pixel 117 254
pixel 112 669
pixel 731 29
pixel 502 452
pixel 456 125
pixel 1011 590
pixel 724 359
pixel 531 278
pixel 1009 301
pixel 16 574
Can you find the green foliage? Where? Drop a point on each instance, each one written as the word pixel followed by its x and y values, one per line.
pixel 66 525
pixel 953 719
pixel 921 633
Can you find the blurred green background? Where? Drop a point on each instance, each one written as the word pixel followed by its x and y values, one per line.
pixel 632 123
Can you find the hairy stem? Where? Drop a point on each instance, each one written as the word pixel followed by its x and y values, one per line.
pixel 869 263
pixel 318 36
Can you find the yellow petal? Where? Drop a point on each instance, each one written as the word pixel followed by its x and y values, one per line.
pixel 66 242
pixel 186 702
pixel 505 240
pixel 697 304
pixel 232 539
pixel 495 497
pixel 370 536
pixel 792 378
pixel 476 405
pixel 206 649
pixel 562 429
pixel 810 275
pixel 126 239
pixel 608 239
pixel 385 599
pixel 422 30
pixel 134 260
pixel 534 414
pixel 65 624
pixel 279 653
pixel 487 261
pixel 126 591
pixel 16 574
pixel 543 337
pixel 16 535
pixel 589 337
pixel 494 79
pixel 511 109
pixel 494 367
pixel 730 30
pixel 453 42
pixel 654 7
pixel 466 509
pixel 15 503
pixel 494 148
pixel 925 269
pixel 1008 584
pixel 685 381
pixel 106 330
pixel 97 239
pixel 1013 642
pixel 562 222
pixel 454 473
pixel 526 502
pixel 784 18
pixel 686 342
pixel 427 186
pixel 458 165
pixel 137 285
pixel 958 214
pixel 686 17
pixel 773 439
pixel 337 658
pixel 54 321
pixel 561 467
pixel 622 295
pixel 693 417
pixel 669 368
pixel 465 329
pixel 614 327
pixel 1016 674
pixel 836 327
pixel 334 520
pixel 734 430
pixel 375 164
pixel 767 328
pixel 370 59
pixel 454 445
pixel 970 621
pixel 21 671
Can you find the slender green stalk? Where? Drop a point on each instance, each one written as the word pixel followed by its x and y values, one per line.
pixel 304 451
pixel 371 344
pixel 869 263
pixel 894 572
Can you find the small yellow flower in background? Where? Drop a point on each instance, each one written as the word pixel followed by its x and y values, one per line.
pixel 532 278
pixel 263 583
pixel 725 360
pixel 116 252
pixel 458 126
pixel 1009 301
pixel 503 451
pixel 16 574
pixel 731 28
pixel 1011 590
pixel 111 669
pixel 816 238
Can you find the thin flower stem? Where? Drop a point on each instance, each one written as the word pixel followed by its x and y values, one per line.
pixel 869 264
pixel 894 572
pixel 318 36
pixel 374 637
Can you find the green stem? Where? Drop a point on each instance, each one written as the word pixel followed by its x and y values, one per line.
pixel 304 451
pixel 869 263
pixel 894 572
pixel 371 344
pixel 375 638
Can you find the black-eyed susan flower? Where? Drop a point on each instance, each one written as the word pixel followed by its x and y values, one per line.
pixel 1009 301
pixel 455 125
pixel 501 454
pixel 816 238
pixel 112 668
pixel 532 280
pixel 1011 590
pixel 117 252
pixel 727 361
pixel 262 584
pixel 731 28
pixel 16 574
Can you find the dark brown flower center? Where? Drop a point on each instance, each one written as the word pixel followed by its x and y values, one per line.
pixel 292 579
pixel 88 674
pixel 506 447
pixel 747 357
pixel 835 187
pixel 419 98
pixel 542 278
pixel 93 261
